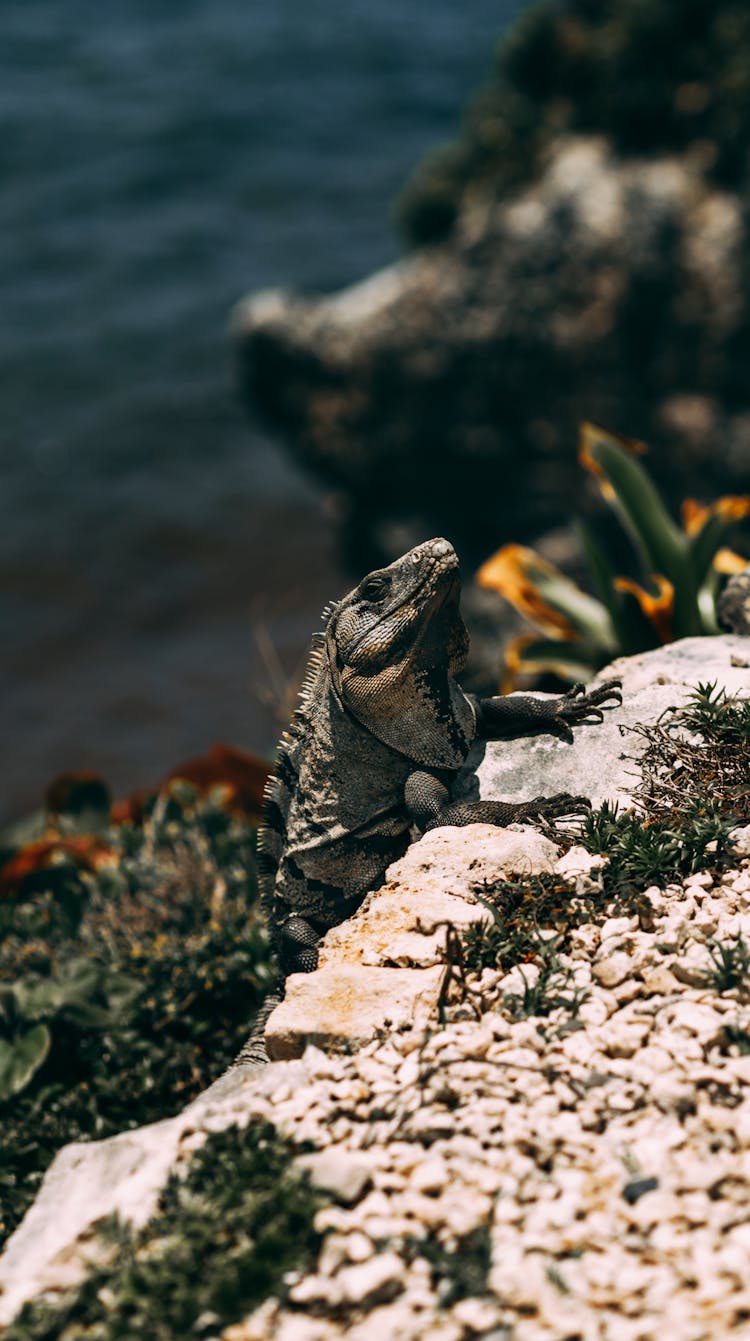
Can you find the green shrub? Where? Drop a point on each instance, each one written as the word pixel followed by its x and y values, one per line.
pixel 219 1244
pixel 126 985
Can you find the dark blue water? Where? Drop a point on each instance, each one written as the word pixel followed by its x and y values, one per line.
pixel 158 160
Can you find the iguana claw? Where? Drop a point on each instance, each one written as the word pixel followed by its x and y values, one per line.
pixel 579 705
pixel 554 807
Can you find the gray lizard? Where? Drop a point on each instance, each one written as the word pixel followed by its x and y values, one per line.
pixel 381 729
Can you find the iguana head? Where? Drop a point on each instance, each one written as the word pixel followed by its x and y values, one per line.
pixel 393 645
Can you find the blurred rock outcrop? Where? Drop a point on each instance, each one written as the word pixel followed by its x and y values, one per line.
pixel 584 255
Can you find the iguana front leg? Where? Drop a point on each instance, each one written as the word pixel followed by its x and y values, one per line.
pixel 429 805
pixel 518 714
pixel 297 945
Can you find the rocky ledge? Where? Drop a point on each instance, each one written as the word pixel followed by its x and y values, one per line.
pixel 582 1172
pixel 444 394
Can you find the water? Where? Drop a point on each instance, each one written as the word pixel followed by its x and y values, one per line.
pixel 158 161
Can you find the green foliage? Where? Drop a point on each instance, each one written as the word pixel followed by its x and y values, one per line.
pixel 651 75
pixel 674 596
pixel 730 965
pixel 713 714
pixel 695 789
pixel 460 1273
pixel 678 829
pixel 126 987
pixel 550 989
pixel 642 852
pixel 532 918
pixel 484 946
pixel 21 1058
pixel 220 1243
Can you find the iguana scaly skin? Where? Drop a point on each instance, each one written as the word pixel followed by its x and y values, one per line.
pixel 381 729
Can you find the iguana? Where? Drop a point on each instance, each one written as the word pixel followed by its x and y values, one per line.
pixel 381 729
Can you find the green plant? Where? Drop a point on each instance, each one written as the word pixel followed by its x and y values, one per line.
pixel 714 714
pixel 532 919
pixel 127 985
pixel 679 828
pixel 550 989
pixel 730 965
pixel 461 1272
pixel 692 793
pixel 484 946
pixel 654 851
pixel 221 1241
pixel 674 597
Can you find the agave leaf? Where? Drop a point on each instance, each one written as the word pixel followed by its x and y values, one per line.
pixel 641 632
pixel 554 604
pixel 707 605
pixel 626 485
pixel 21 1059
pixel 706 526
pixel 728 562
pixel 659 608
pixel 530 655
pixel 603 579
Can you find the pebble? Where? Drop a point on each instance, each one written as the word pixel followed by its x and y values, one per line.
pixel 614 970
pixel 342 1173
pixel 372 1282
pixel 602 1167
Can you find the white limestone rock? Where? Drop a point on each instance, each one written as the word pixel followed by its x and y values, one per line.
pixel 599 763
pixel 343 1173
pixel 346 1005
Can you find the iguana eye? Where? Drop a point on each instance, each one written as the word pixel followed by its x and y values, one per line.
pixel 375 588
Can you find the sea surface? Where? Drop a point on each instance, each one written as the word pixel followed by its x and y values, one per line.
pixel 161 564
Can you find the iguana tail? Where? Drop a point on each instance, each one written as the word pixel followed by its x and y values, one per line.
pixel 253 1053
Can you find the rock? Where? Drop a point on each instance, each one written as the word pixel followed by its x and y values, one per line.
pixel 372 1282
pixel 614 283
pixel 741 839
pixel 695 1018
pixel 344 1005
pixel 659 981
pixel 316 1291
pixel 430 888
pixel 613 971
pixel 455 861
pixel 343 1173
pixel 581 867
pixel 601 758
pixel 478 1316
pixel 430 1177
pixel 734 605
